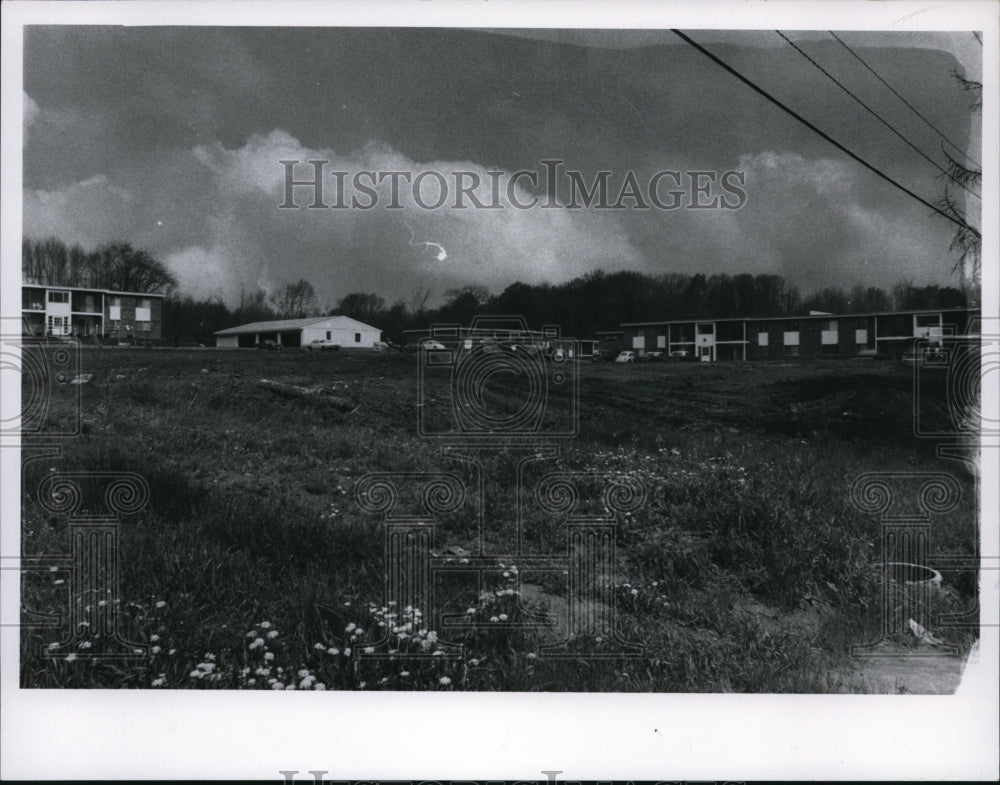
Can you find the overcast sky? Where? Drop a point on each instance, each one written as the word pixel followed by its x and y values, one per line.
pixel 170 138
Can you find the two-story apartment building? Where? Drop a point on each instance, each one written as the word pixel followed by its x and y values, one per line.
pixel 86 313
pixel 886 334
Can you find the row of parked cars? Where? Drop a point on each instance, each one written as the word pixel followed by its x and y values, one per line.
pixel 488 345
pixel 632 356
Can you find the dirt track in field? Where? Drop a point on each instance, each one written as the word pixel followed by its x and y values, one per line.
pixel 781 400
pixel 853 401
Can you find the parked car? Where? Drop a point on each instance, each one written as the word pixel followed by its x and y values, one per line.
pixel 433 346
pixel 322 345
pixel 680 354
pixel 605 355
pixel 867 354
pixel 269 344
pixel 625 357
pixel 654 357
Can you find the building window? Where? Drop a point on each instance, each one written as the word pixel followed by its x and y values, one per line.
pixel 328 335
pixel 762 339
pixel 661 342
pixel 791 338
pixel 58 297
pixel 927 325
pixel 861 336
pixel 638 341
pixel 895 326
pixel 829 337
pixel 357 337
pixel 84 303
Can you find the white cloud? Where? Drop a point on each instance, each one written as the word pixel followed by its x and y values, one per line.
pixel 386 250
pixel 84 212
pixel 30 114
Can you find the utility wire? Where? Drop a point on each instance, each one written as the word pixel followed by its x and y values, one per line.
pixel 872 112
pixel 816 130
pixel 893 91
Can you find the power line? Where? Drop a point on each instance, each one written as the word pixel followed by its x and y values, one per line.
pixel 871 111
pixel 816 130
pixel 893 91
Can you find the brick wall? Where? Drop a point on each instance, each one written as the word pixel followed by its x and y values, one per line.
pixel 129 303
pixel 156 318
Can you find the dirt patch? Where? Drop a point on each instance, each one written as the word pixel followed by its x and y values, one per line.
pixel 901 671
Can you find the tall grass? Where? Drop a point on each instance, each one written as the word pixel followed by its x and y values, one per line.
pixel 252 535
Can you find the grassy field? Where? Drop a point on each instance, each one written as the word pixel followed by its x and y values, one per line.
pixel 253 566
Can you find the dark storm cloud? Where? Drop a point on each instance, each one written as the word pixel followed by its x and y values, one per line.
pixel 178 152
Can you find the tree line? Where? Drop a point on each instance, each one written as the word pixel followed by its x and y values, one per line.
pixel 583 306
pixel 116 266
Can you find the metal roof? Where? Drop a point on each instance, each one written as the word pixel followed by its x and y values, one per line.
pixel 797 317
pixel 292 324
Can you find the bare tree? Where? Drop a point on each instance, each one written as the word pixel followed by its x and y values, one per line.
pixel 366 307
pixel 120 266
pixel 116 266
pixel 253 307
pixel 418 300
pixel 295 300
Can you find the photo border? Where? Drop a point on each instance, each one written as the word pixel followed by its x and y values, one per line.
pixel 229 735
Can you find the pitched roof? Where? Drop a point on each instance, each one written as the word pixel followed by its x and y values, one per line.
pixel 292 324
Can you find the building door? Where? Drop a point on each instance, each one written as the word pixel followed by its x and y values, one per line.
pixel 705 341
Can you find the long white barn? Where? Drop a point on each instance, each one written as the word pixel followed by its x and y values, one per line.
pixel 341 330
